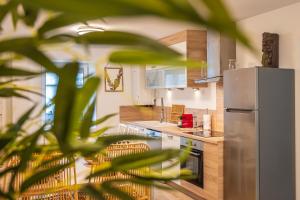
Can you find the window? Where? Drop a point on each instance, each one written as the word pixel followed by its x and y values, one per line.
pixel 51 82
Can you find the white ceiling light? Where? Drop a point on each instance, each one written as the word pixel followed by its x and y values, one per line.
pixel 84 29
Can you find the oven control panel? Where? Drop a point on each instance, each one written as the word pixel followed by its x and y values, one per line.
pixel 196 144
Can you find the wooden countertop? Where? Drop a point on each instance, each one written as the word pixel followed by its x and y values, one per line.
pixel 174 130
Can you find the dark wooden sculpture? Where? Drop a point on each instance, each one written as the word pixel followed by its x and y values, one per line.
pixel 270 49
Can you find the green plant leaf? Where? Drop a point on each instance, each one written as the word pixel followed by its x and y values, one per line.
pixel 8 140
pixel 101 131
pixel 64 104
pixel 154 176
pixel 6 195
pixel 73 109
pixel 111 139
pixel 16 127
pixel 137 161
pixel 52 161
pixel 148 158
pixel 110 189
pixel 17 45
pixel 83 98
pixel 8 71
pixel 216 18
pixel 7 170
pixel 93 192
pixel 184 154
pixel 141 57
pixel 14 80
pixel 115 38
pixel 30 15
pixel 103 119
pixel 140 181
pixel 12 92
pixel 121 8
pixel 6 8
pixel 50 138
pixel 87 121
pixel 220 20
pixel 14 17
pixel 87 148
pixel 124 39
pixel 40 175
pixel 27 154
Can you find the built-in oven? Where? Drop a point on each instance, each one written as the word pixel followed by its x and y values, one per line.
pixel 195 160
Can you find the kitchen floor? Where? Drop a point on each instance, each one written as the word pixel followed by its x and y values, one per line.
pixel 169 195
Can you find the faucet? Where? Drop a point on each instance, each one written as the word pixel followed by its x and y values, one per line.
pixel 162 111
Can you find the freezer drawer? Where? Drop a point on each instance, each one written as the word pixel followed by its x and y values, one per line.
pixel 240 155
pixel 240 88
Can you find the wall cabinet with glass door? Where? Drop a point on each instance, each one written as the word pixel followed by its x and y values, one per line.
pixel 192 44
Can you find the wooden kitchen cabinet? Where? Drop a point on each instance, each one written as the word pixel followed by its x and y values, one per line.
pixel 213 171
pixel 170 141
pixel 213 158
pixel 192 44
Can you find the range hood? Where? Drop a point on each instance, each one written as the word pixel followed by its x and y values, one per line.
pixel 220 50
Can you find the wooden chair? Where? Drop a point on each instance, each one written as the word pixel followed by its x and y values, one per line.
pixel 139 192
pixel 60 186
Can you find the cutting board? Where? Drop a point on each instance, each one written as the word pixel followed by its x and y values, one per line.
pixel 176 112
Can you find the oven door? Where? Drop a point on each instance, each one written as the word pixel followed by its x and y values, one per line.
pixel 195 163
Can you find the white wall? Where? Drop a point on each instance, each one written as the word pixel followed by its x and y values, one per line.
pixel 284 21
pixel 107 103
pixel 202 99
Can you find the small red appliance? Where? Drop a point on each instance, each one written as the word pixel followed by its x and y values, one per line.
pixel 187 121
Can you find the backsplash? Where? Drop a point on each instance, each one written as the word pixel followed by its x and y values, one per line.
pixel 140 113
pixel 204 98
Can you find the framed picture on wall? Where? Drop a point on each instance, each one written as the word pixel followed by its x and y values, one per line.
pixel 114 81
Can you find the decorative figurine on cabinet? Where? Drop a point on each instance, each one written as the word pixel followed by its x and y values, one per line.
pixel 270 49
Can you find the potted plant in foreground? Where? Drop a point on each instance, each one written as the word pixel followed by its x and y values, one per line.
pixel 70 132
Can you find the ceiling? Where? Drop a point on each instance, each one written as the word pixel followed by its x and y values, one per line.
pixel 242 9
pixel 155 28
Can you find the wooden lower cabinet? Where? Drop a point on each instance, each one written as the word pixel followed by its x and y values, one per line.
pixel 213 168
pixel 213 175
pixel 213 171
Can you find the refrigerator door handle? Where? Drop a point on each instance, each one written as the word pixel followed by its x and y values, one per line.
pixel 238 110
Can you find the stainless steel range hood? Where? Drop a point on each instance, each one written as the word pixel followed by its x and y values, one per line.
pixel 220 50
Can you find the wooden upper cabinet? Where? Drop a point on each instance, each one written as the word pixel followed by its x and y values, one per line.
pixel 192 44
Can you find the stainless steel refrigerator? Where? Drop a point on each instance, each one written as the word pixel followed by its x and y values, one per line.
pixel 259 133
